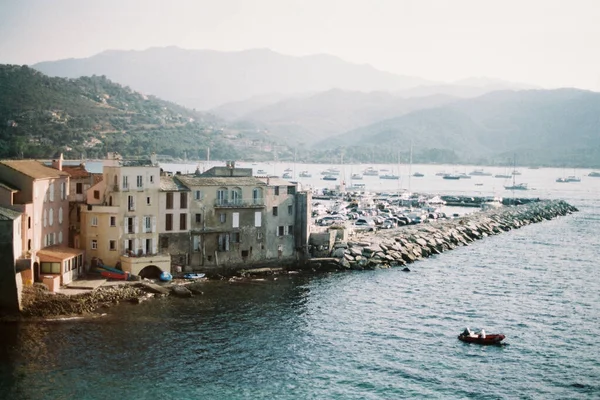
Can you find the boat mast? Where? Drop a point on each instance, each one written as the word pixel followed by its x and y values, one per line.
pixel 410 165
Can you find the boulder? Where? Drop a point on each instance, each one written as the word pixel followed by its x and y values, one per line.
pixel 181 291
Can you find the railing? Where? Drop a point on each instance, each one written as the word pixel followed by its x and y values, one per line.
pixel 240 203
pixel 140 254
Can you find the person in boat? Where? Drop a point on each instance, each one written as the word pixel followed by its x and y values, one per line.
pixel 467 332
pixel 482 333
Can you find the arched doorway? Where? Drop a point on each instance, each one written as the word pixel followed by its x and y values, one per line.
pixel 150 272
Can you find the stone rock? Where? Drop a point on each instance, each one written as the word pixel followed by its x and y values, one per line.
pixel 356 251
pixel 339 252
pixel 153 288
pixel 181 291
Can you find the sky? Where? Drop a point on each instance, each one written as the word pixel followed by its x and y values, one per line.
pixel 547 43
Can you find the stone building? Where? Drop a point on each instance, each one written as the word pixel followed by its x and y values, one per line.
pixel 174 219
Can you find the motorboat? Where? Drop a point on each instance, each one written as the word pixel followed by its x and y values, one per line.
pixel 573 179
pixel 418 175
pixel 389 176
pixel 594 174
pixel 451 176
pixel 357 176
pixel 487 339
pixel 305 174
pixel 517 186
pixel 287 175
pixel 480 172
pixel 370 172
pixel 261 172
pixel 504 176
pixel 193 276
pixel 330 178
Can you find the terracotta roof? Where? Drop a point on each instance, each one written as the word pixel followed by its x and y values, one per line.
pixel 58 253
pixel 76 171
pixel 192 180
pixel 97 178
pixel 8 214
pixel 33 169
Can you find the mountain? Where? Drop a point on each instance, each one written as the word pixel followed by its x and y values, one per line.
pixel 205 79
pixel 465 88
pixel 541 127
pixel 40 116
pixel 306 119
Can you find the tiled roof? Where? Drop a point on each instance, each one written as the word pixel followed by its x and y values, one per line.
pixel 33 169
pixel 98 178
pixel 58 253
pixel 76 171
pixel 191 180
pixel 7 214
pixel 275 181
pixel 170 184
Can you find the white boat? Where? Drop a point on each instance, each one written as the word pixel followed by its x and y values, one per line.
pixel 357 177
pixel 480 172
pixel 370 172
pixel 305 174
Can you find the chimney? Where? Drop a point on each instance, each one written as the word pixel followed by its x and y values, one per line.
pixel 153 159
pixel 58 164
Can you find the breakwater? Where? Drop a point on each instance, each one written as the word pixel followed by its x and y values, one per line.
pixel 402 246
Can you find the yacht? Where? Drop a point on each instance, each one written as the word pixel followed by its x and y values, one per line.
pixel 305 174
pixel 357 177
pixel 418 175
pixel 287 175
pixel 480 172
pixel 370 172
pixel 389 176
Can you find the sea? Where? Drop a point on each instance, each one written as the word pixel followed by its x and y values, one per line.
pixel 384 334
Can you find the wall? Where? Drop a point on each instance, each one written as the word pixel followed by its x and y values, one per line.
pixel 9 297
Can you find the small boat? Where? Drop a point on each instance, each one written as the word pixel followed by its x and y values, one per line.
pixel 464 176
pixel 489 339
pixel 479 184
pixel 389 176
pixel 193 276
pixel 357 176
pixel 504 176
pixel 572 178
pixel 515 172
pixel 261 172
pixel 480 172
pixel 123 276
pixel 451 176
pixel 287 170
pixel 517 186
pixel 594 174
pixel 305 174
pixel 287 175
pixel 418 175
pixel 561 180
pixel 165 276
pixel 329 178
pixel 370 172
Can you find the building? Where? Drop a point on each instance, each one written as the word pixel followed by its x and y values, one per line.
pixel 174 219
pixel 237 220
pixel 80 181
pixel 11 279
pixel 119 222
pixel 40 192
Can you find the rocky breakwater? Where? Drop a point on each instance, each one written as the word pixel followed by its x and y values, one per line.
pixel 404 245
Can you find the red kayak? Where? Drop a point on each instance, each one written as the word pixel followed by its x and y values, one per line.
pixel 115 275
pixel 489 338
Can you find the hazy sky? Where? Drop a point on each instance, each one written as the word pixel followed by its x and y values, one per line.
pixel 544 42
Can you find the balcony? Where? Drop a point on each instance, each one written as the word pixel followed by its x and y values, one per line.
pixel 240 203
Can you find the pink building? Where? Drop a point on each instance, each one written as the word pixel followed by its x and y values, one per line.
pixel 41 194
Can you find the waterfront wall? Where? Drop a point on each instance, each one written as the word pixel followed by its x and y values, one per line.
pixel 402 246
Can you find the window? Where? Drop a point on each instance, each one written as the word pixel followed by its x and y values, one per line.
pixel 235 237
pixel 28 222
pixel 290 230
pixel 183 200
pixel 140 181
pixel 257 219
pixel 94 221
pixel 125 183
pixel 60 215
pixel 129 225
pixel 275 211
pixel 96 194
pixel 222 196
pixel 196 243
pixel 50 267
pixel 198 218
pixel 223 218
pixel 236 196
pixel 235 221
pixel 51 217
pixel 130 203
pixel 29 244
pixel 51 192
pixel 148 201
pixel 63 190
pixel 112 245
pixel 290 209
pixel 169 222
pixel 94 244
pixel 198 195
pixel 256 196
pixel 113 221
pixel 45 217
pixel 280 231
pixel 291 190
pixel 164 242
pixel 147 224
pixel 223 242
pixel 182 222
pixel 151 178
pixel 60 238
pixel 169 201
pixel 79 188
pixel 276 188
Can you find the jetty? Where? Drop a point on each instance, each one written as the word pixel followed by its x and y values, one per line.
pixel 404 245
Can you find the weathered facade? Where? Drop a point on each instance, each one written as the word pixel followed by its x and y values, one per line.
pixel 174 220
pixel 119 222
